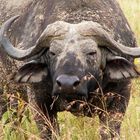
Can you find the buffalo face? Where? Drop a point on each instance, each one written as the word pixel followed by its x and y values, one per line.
pixel 73 58
pixel 76 58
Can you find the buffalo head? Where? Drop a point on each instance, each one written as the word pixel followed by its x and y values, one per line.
pixel 77 58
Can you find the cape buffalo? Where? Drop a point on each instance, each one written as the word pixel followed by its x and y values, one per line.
pixel 77 57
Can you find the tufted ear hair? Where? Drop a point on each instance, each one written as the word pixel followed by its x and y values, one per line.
pixel 31 72
pixel 119 68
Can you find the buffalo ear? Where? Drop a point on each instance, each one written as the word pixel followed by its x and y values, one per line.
pixel 32 72
pixel 119 68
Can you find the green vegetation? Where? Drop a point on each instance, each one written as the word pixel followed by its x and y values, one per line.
pixel 20 125
pixel 132 12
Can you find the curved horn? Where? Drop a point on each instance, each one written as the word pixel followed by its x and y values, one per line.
pixel 6 25
pixel 11 50
pixel 103 38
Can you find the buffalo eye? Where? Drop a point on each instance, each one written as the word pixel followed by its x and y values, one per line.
pixel 91 54
pixel 52 53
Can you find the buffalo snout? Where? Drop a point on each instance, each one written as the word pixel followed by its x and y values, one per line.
pixel 69 86
pixel 66 81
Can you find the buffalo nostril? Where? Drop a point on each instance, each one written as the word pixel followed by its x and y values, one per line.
pixel 58 83
pixel 76 83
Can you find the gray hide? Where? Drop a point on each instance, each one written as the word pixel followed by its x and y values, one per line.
pixel 35 15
